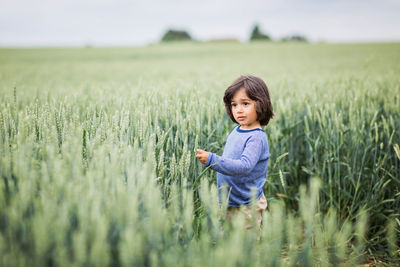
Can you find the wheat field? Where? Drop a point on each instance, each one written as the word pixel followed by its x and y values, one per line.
pixel 98 165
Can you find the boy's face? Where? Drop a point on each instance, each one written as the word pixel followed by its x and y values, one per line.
pixel 244 110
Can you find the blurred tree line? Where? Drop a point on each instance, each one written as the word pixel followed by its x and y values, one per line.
pixel 256 35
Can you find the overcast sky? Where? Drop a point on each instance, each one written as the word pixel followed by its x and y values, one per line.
pixel 134 22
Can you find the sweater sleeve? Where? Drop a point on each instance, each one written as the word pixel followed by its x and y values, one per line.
pixel 238 167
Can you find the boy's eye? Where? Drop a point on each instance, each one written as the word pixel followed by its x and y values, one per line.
pixel 246 103
pixel 233 105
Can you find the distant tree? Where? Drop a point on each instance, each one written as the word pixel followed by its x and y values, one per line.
pixel 256 34
pixel 176 35
pixel 294 38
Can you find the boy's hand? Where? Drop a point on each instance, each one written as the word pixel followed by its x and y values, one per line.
pixel 202 155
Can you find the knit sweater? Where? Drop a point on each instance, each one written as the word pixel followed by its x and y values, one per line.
pixel 243 165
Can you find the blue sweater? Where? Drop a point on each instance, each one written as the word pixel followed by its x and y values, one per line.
pixel 243 165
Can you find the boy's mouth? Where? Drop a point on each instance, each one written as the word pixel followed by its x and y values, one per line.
pixel 241 117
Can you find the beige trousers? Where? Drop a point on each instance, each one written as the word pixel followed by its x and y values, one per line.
pixel 261 206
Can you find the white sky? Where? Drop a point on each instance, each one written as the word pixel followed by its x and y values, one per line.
pixel 134 22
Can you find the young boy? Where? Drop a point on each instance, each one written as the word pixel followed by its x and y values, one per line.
pixel 244 163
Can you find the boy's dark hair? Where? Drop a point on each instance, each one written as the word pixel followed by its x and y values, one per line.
pixel 257 90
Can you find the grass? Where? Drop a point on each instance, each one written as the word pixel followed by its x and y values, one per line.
pixel 97 163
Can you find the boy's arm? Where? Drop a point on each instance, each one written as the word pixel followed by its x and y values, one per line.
pixel 237 167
